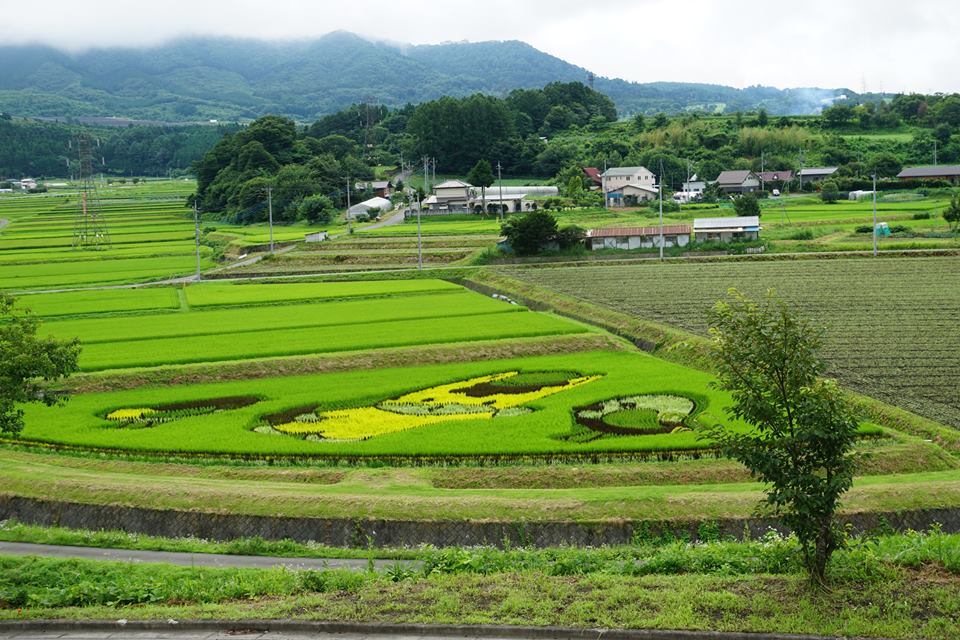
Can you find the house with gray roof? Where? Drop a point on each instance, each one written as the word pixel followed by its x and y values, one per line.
pixel 949 172
pixel 742 181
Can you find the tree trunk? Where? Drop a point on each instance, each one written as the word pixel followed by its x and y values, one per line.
pixel 825 544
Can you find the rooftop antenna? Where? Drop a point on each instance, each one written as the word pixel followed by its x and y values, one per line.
pixel 89 230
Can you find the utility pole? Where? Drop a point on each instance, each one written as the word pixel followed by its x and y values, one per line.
pixel 349 219
pixel 661 209
pixel 500 182
pixel 934 152
pixel 196 235
pixel 270 213
pixel 426 177
pixel 874 215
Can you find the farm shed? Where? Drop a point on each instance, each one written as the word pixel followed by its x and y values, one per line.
pixel 737 181
pixel 814 174
pixel 726 229
pixel 381 204
pixel 379 188
pixel 942 172
pixel 674 235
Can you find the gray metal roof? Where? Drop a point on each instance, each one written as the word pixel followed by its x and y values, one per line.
pixel 735 223
pixel 622 171
pixel 818 171
pixel 734 177
pixel 945 171
pixel 449 184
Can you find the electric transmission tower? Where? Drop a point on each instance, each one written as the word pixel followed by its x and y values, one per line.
pixel 89 229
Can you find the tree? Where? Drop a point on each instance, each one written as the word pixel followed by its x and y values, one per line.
pixel 315 210
pixel 885 165
pixel 829 191
pixel 838 115
pixel 530 233
pixel 746 205
pixel 481 176
pixel 27 362
pixel 803 428
pixel 763 119
pixel 952 213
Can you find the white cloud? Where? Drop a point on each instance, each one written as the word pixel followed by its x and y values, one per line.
pixel 827 43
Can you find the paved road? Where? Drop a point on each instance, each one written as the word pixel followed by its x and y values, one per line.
pixel 190 559
pixel 247 634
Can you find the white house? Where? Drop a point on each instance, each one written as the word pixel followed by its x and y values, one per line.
pixel 460 196
pixel 726 229
pixel 630 195
pixel 382 205
pixel 695 185
pixel 674 235
pixel 615 179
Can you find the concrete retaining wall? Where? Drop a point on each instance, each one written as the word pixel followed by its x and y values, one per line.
pixel 345 532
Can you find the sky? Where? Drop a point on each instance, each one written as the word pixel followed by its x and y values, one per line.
pixel 876 45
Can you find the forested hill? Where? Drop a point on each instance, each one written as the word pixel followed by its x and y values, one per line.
pixel 230 79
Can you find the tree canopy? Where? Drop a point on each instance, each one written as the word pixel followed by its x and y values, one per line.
pixel 803 429
pixel 28 362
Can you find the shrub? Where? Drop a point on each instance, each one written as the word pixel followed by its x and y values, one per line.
pixel 315 209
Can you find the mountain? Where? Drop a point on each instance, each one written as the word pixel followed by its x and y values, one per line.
pixel 229 79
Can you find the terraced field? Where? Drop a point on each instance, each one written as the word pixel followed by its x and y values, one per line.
pixel 151 238
pixel 889 323
pixel 209 327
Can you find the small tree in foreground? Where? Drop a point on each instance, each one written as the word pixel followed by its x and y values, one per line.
pixel 767 358
pixel 26 363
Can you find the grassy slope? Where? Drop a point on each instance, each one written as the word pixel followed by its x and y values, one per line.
pixel 898 587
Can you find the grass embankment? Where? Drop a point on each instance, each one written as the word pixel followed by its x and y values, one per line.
pixel 891 586
pixel 410 494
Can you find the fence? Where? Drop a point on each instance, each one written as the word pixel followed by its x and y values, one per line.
pixel 347 532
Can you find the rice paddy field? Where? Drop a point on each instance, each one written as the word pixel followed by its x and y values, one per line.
pixel 418 398
pixel 888 323
pixel 151 238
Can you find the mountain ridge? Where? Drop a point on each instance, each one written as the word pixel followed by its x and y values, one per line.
pixel 195 78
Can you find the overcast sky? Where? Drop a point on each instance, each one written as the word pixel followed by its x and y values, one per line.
pixel 882 44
